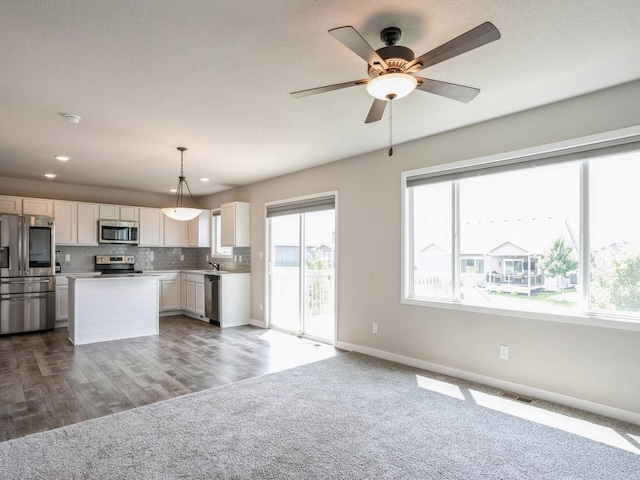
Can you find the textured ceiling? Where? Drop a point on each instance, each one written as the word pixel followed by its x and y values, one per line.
pixel 215 76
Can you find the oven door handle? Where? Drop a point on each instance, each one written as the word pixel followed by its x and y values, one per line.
pixel 6 297
pixel 26 282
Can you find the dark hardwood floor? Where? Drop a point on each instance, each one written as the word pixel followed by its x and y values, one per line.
pixel 46 382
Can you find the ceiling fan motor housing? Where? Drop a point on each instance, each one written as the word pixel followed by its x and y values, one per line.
pixel 396 57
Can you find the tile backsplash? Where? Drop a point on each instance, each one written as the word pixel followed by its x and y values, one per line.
pixel 82 259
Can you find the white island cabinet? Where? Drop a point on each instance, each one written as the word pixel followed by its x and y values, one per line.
pixel 112 308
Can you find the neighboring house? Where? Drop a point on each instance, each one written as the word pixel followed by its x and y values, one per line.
pixel 434 258
pixel 509 265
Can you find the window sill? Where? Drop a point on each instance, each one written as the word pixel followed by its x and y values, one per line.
pixel 593 320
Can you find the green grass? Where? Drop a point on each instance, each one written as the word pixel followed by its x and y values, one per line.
pixel 541 296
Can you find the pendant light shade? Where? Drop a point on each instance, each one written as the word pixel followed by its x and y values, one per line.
pixel 178 211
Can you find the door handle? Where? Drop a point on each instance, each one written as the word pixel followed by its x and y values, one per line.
pixel 26 282
pixel 6 298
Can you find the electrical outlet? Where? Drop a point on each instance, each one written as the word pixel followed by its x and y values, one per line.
pixel 182 258
pixel 504 352
pixel 261 306
pixel 375 328
pixel 67 257
pixel 207 258
pixel 261 255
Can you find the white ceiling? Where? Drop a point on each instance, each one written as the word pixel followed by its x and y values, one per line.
pixel 215 76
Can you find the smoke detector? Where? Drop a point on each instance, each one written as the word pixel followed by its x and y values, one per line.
pixel 71 118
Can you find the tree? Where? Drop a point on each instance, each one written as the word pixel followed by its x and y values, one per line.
pixel 559 260
pixel 615 280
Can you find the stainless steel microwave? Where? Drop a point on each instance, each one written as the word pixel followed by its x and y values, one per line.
pixel 112 231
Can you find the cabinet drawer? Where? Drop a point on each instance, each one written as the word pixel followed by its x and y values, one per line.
pixel 192 277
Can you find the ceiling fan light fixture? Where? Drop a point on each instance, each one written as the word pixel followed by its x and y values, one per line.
pixel 392 86
pixel 178 212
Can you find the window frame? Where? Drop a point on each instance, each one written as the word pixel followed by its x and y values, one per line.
pixel 587 143
pixel 215 246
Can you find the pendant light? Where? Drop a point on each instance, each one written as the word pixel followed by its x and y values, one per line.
pixel 178 212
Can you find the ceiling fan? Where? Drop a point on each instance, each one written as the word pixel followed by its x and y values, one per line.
pixel 391 68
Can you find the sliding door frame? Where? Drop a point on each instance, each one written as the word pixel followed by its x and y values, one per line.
pixel 268 259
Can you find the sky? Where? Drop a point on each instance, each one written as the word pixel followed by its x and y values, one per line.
pixel 532 205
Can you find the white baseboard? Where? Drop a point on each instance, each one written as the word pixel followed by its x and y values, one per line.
pixel 257 323
pixel 573 402
pixel 62 323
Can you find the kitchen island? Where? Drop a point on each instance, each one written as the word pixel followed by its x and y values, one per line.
pixel 103 308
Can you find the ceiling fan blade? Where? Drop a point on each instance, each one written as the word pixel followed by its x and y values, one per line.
pixel 449 90
pixel 474 38
pixel 328 88
pixel 376 111
pixel 351 39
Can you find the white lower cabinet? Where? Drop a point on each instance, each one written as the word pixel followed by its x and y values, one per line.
pixel 192 286
pixel 170 292
pixel 62 300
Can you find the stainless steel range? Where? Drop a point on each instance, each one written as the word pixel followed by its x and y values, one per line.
pixel 27 281
pixel 116 265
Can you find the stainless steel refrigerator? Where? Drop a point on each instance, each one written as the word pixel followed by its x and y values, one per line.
pixel 27 281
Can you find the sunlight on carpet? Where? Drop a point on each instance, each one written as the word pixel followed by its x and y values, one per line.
pixel 293 351
pixel 583 428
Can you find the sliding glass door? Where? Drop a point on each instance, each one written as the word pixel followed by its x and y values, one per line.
pixel 302 259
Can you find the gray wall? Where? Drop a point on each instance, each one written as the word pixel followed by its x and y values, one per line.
pixel 600 365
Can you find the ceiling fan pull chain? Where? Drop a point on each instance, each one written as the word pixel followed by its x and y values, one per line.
pixel 391 97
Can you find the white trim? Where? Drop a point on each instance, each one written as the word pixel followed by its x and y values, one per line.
pixel 617 322
pixel 586 405
pixel 257 323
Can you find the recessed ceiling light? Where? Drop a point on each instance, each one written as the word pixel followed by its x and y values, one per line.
pixel 204 179
pixel 50 175
pixel 62 158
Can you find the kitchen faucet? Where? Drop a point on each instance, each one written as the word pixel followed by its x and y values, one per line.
pixel 216 266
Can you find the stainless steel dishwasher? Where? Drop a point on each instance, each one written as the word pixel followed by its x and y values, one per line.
pixel 212 297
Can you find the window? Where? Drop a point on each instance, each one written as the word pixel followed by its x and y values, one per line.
pixel 507 235
pixel 216 249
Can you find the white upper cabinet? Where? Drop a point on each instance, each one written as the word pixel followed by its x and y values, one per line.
pixel 88 223
pixel 199 230
pixel 109 212
pixel 37 206
pixel 151 233
pixel 175 233
pixel 65 214
pixel 118 212
pixel 129 214
pixel 76 223
pixel 10 204
pixel 234 224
